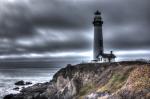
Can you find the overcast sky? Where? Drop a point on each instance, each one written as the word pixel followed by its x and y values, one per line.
pixel 62 29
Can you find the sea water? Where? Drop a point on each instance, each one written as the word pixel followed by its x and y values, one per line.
pixel 11 75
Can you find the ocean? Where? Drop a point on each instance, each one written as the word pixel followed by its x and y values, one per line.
pixel 8 76
pixel 30 71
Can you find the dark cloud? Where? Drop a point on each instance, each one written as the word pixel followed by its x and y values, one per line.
pixel 14 20
pixel 63 25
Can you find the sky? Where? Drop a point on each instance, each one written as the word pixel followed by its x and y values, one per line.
pixel 63 29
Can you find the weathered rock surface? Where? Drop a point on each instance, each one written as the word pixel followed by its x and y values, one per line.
pixel 123 80
pixel 16 88
pixel 21 83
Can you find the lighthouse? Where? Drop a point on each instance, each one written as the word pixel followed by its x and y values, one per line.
pixel 98 36
pixel 98 50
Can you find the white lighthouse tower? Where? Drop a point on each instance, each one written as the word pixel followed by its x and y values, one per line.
pixel 98 36
pixel 98 50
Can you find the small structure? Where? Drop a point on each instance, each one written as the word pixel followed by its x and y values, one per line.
pixel 106 57
pixel 98 51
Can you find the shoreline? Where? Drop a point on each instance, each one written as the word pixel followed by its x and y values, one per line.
pixel 80 81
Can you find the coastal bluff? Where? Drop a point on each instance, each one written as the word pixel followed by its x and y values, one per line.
pixel 118 80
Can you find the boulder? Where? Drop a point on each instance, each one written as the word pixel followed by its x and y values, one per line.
pixel 16 88
pixel 10 96
pixel 20 83
pixel 28 83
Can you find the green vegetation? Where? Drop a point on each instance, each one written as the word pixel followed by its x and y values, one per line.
pixel 138 79
pixel 86 89
pixel 116 82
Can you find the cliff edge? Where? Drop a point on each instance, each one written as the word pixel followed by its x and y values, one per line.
pixel 120 80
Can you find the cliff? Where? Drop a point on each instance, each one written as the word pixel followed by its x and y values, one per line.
pixel 122 80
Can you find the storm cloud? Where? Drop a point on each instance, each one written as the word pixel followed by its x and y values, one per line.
pixel 65 26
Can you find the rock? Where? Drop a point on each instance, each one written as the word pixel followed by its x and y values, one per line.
pixel 16 88
pixel 20 83
pixel 10 96
pixel 28 83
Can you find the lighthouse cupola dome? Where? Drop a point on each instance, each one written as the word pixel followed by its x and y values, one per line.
pixel 97 13
pixel 97 19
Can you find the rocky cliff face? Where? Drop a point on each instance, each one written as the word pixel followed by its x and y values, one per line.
pixel 123 80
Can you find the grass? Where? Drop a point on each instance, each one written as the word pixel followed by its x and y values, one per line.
pixel 138 79
pixel 85 90
pixel 116 82
pixel 135 78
